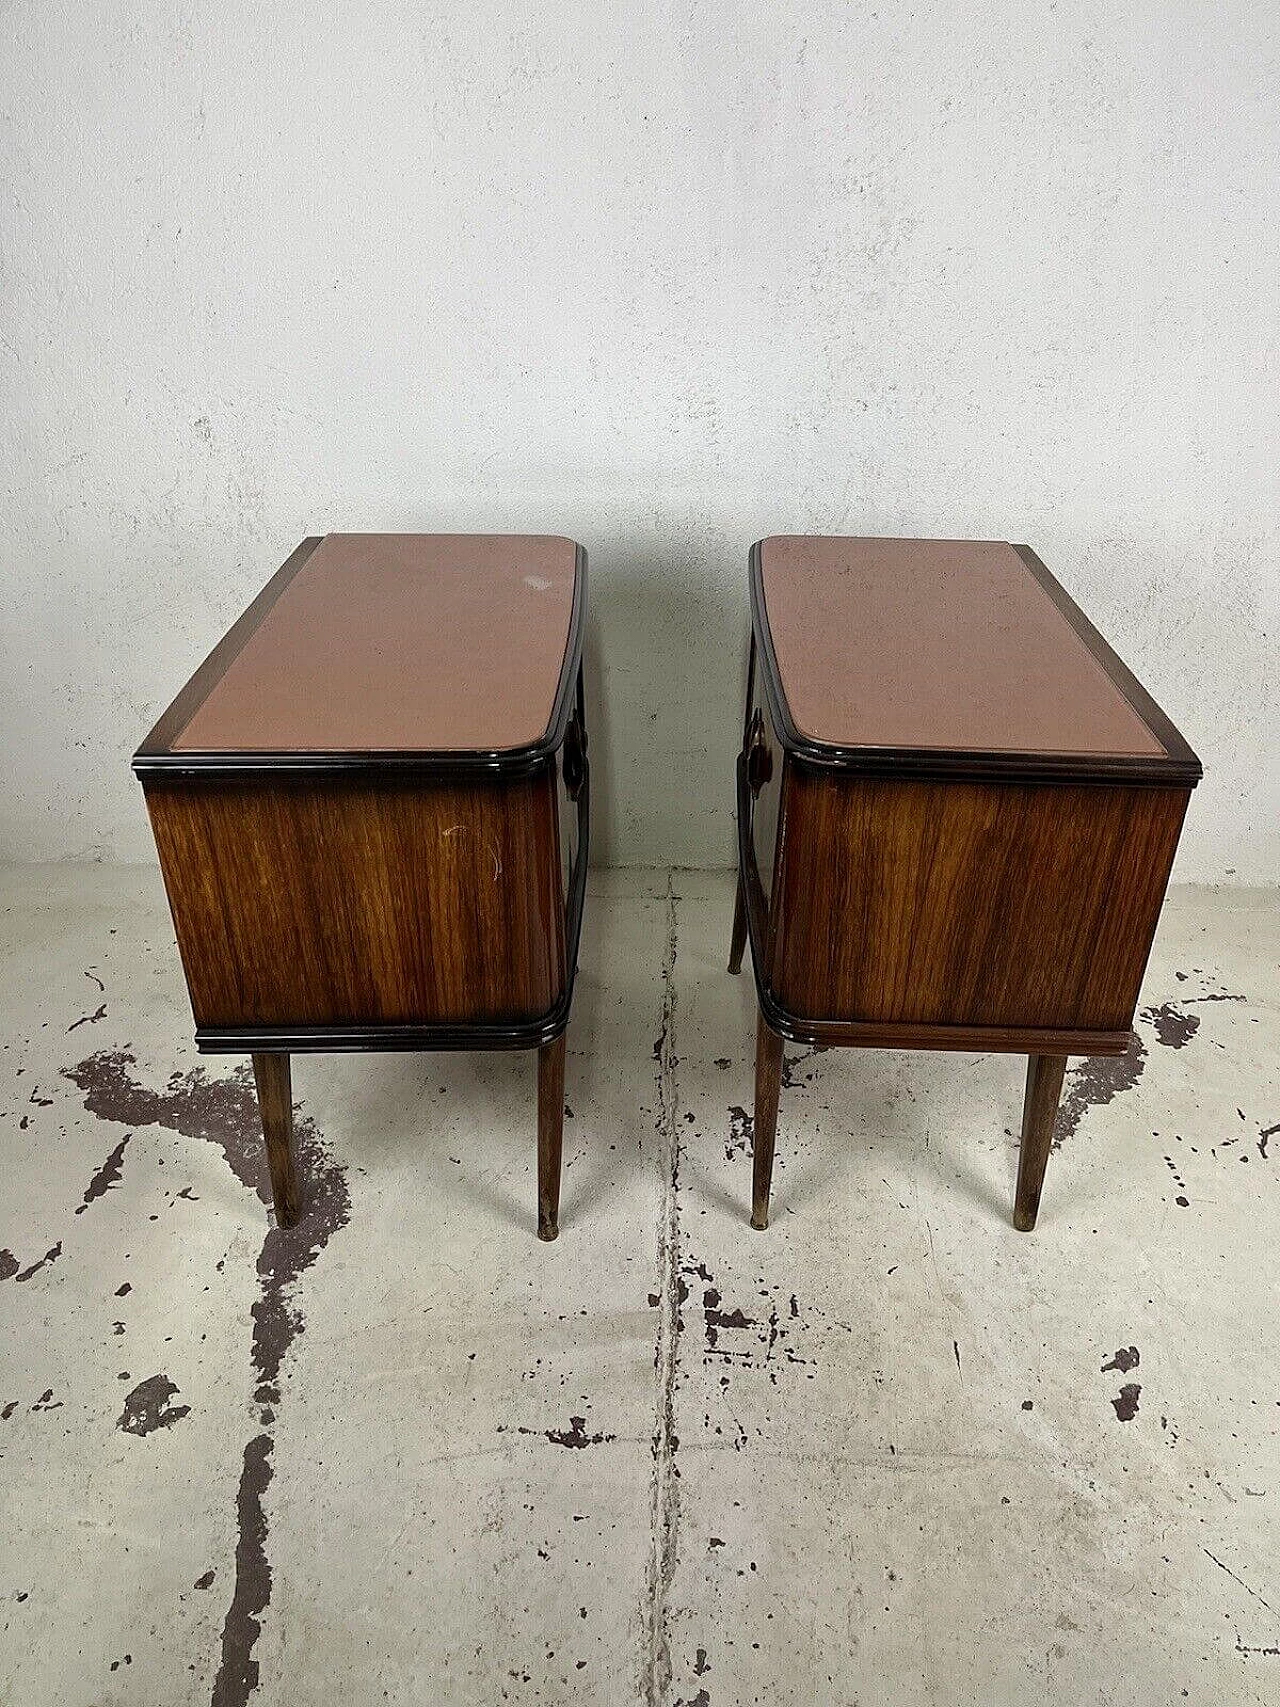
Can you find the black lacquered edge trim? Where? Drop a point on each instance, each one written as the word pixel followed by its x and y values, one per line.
pixel 333 1040
pixel 524 1034
pixel 156 753
pixel 1180 768
pixel 840 1034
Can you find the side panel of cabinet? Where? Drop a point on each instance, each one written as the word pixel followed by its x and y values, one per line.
pixel 969 903
pixel 350 901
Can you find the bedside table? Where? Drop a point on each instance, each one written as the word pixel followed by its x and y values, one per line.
pixel 957 814
pixel 370 805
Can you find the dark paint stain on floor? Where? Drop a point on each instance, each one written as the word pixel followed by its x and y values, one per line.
pixel 50 1256
pixel 766 1341
pixel 224 1112
pixel 574 1436
pixel 741 1133
pixel 9 1265
pixel 89 1019
pixel 1126 1401
pixel 238 1673
pixel 1173 1028
pixel 1099 1078
pixel 787 1078
pixel 1094 1082
pixel 108 1174
pixel 1182 1200
pixel 147 1407
pixel 1125 1359
pixel 718 1319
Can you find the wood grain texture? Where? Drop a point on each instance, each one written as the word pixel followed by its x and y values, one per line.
pixel 275 1104
pixel 765 1127
pixel 550 1135
pixel 1039 1111
pixel 340 901
pixel 971 904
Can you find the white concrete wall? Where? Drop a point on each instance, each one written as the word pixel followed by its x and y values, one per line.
pixel 666 277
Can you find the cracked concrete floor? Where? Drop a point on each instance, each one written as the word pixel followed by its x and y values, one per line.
pixel 889 1451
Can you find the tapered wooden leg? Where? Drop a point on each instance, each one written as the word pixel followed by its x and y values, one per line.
pixel 739 939
pixel 768 1083
pixel 275 1102
pixel 550 1135
pixel 1040 1106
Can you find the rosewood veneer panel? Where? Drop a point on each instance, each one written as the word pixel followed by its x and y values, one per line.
pixel 384 902
pixel 969 903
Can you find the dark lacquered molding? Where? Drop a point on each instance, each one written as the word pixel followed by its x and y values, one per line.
pixel 1180 767
pixel 156 752
pixel 829 1034
pixel 521 1034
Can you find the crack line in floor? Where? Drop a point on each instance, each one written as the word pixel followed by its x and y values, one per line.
pixel 665 1497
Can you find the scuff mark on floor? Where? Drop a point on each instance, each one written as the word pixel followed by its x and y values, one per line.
pixel 224 1112
pixel 1236 1579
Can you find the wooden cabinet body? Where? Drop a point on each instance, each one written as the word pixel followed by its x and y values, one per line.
pixel 370 804
pixel 370 911
pixel 937 893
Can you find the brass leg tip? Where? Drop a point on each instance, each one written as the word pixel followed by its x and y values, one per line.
pixel 1024 1220
pixel 760 1222
pixel 548 1231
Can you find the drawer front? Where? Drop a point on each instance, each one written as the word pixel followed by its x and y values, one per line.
pixel 354 902
pixel 969 903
